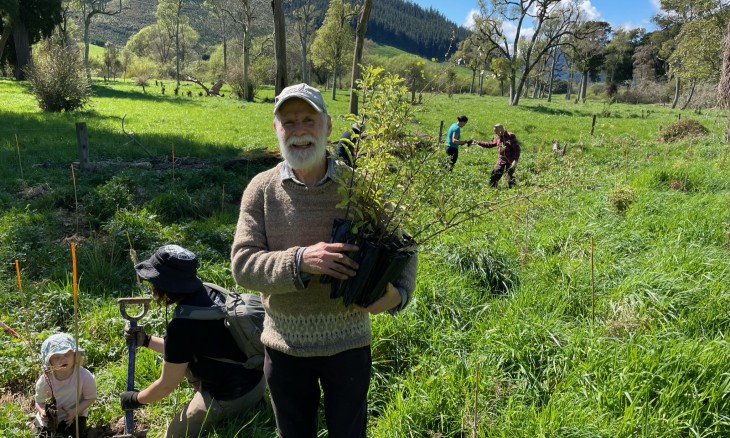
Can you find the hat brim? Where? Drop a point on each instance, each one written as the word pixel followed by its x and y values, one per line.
pixel 148 272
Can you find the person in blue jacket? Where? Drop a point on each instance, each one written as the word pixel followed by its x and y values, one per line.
pixel 453 140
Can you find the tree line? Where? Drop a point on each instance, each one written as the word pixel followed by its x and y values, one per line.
pixel 553 48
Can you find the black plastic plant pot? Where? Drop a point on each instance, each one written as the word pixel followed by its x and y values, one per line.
pixel 380 264
pixel 372 260
pixel 340 234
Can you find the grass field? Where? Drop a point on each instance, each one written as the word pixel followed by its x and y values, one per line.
pixel 597 308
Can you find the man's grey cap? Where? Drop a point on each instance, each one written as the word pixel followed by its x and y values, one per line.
pixel 301 91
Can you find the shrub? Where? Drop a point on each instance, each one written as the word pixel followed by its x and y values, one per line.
pixel 57 79
pixel 621 197
pixel 106 199
pixel 682 129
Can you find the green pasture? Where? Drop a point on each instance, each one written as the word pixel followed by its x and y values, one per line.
pixel 597 305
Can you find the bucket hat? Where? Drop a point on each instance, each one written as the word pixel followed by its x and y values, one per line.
pixel 60 343
pixel 171 268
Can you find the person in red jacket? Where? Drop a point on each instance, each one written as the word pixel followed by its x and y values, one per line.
pixel 508 153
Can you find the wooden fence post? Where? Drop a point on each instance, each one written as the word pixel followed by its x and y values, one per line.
pixel 441 130
pixel 82 138
pixel 593 125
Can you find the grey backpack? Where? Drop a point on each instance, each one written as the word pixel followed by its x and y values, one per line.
pixel 243 314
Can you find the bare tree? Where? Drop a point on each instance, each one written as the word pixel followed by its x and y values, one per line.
pixel 89 9
pixel 304 22
pixel 561 15
pixel 245 13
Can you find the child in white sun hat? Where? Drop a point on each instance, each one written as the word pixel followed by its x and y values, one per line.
pixel 57 401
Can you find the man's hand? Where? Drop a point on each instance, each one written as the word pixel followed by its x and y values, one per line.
pixel 329 259
pixel 513 165
pixel 129 400
pixel 138 334
pixel 388 301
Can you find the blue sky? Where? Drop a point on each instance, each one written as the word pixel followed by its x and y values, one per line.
pixel 618 13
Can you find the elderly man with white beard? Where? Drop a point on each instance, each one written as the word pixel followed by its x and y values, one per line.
pixel 280 249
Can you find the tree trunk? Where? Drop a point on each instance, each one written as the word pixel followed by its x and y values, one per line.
pixel 334 84
pixel 723 87
pixel 22 49
pixel 583 86
pixel 677 87
pixel 280 80
pixel 247 64
pixel 513 93
pixel 177 49
pixel 570 86
pixel 692 85
pixel 7 31
pixel 362 26
pixel 552 75
pixel 87 24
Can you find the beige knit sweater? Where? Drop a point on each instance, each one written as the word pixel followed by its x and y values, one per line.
pixel 276 218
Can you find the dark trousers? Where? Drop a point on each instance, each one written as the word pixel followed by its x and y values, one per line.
pixel 294 384
pixel 453 154
pixel 498 171
pixel 65 429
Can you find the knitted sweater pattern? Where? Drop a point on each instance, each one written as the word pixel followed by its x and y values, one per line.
pixel 277 217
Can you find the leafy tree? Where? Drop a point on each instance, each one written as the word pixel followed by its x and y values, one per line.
pixel 586 52
pixel 111 60
pixel 22 24
pixel 697 56
pixel 618 61
pixel 674 15
pixel 334 40
pixel 474 54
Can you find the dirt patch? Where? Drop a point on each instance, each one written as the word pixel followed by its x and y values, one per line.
pixel 682 129
pixel 32 192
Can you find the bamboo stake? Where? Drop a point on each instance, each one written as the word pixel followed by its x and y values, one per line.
pixel 593 281
pixel 20 163
pixel 173 165
pixel 76 197
pixel 9 329
pixel 475 424
pixel 77 367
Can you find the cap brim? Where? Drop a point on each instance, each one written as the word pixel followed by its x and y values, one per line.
pixel 309 101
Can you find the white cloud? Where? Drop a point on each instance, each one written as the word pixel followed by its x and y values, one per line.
pixel 510 30
pixel 656 4
pixel 469 21
pixel 588 11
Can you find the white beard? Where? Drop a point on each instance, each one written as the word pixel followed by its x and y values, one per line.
pixel 303 159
